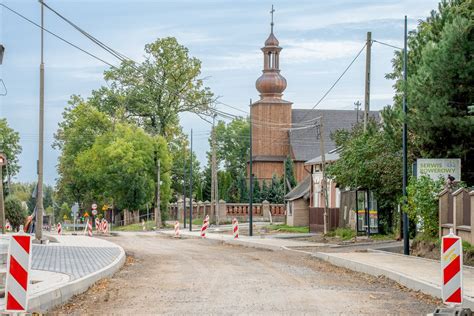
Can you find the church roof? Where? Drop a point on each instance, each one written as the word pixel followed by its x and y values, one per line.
pixel 304 142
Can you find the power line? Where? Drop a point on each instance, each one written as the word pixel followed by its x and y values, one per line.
pixel 338 79
pixel 55 35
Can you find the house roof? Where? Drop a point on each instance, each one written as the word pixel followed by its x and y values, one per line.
pixel 304 142
pixel 329 157
pixel 300 190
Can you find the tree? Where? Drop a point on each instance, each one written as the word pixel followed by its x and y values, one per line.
pixel 155 91
pixel 120 165
pixel 14 212
pixel 289 174
pixel 10 146
pixel 256 191
pixel 440 86
pixel 265 191
pixel 369 160
pixel 81 125
pixel 232 145
pixel 276 192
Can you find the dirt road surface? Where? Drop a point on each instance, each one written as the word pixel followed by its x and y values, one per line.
pixel 190 276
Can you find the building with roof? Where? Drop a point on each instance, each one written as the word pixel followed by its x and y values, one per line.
pixel 279 131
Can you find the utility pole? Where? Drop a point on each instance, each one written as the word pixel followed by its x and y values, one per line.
pixel 323 171
pixel 367 79
pixel 191 185
pixel 158 198
pixel 251 177
pixel 213 168
pixel 39 197
pixel 406 237
pixel 357 106
pixel 3 162
pixel 184 184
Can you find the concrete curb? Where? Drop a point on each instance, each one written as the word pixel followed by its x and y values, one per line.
pixel 47 300
pixel 417 285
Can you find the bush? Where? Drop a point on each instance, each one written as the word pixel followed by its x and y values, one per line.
pixel 14 212
pixel 422 203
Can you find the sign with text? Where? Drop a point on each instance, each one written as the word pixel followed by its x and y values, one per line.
pixel 436 168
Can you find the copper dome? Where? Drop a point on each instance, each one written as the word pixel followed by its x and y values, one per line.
pixel 272 40
pixel 271 84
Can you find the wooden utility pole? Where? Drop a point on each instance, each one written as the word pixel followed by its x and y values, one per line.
pixel 39 196
pixel 213 168
pixel 367 79
pixel 323 171
pixel 158 199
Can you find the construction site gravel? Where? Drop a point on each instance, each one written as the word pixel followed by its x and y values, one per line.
pixel 192 276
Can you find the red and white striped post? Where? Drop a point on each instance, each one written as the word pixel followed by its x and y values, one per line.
pixel 89 228
pixel 235 228
pixel 451 269
pixel 97 224
pixel 177 232
pixel 59 229
pixel 105 226
pixel 18 273
pixel 205 225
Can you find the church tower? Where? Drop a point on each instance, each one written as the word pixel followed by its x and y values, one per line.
pixel 271 115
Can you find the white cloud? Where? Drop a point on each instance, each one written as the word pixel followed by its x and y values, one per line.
pixel 301 51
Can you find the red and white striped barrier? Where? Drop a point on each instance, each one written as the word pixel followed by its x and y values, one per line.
pixel 451 268
pixel 97 225
pixel 235 228
pixel 177 232
pixel 89 228
pixel 104 226
pixel 59 229
pixel 205 225
pixel 18 273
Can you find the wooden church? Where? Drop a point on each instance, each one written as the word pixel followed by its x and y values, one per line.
pixel 279 131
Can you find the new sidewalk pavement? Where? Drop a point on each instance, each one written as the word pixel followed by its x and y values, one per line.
pixel 413 272
pixel 62 269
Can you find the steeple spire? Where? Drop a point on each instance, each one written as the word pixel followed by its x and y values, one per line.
pixel 271 84
pixel 271 24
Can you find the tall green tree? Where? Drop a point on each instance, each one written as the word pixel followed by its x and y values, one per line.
pixel 81 125
pixel 120 165
pixel 10 146
pixel 440 86
pixel 289 174
pixel 155 91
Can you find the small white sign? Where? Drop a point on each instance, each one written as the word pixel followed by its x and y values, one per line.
pixel 94 206
pixel 94 212
pixel 438 168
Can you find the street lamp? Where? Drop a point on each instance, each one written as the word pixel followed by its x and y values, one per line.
pixel 3 162
pixel 2 51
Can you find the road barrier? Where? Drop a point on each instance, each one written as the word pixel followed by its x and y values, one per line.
pixel 18 273
pixel 104 226
pixel 89 228
pixel 59 228
pixel 177 232
pixel 97 224
pixel 235 228
pixel 205 225
pixel 451 267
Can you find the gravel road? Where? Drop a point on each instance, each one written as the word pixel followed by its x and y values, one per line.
pixel 190 276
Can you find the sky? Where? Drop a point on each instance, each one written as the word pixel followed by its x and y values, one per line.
pixel 319 39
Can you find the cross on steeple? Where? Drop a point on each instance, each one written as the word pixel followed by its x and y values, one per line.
pixel 271 12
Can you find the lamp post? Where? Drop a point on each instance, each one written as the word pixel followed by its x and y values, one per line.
pixel 3 162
